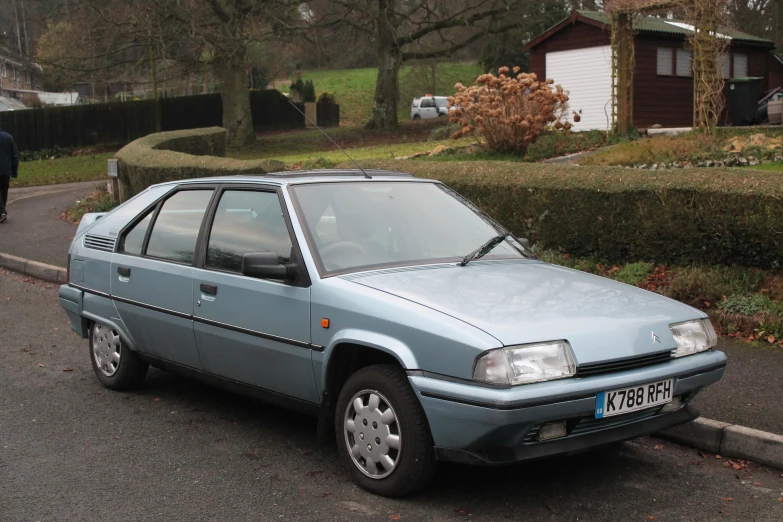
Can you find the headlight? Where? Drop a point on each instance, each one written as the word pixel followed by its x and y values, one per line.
pixel 693 337
pixel 526 364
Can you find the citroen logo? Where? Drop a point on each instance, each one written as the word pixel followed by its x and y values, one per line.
pixel 655 338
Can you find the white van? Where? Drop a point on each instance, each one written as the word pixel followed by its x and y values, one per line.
pixel 429 107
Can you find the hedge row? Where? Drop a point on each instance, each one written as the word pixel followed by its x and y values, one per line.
pixel 187 154
pixel 710 216
pixel 122 122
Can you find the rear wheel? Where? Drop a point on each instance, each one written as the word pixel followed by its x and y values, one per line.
pixel 116 366
pixel 382 432
pixel 416 117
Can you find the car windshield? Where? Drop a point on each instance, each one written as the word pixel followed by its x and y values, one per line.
pixel 362 225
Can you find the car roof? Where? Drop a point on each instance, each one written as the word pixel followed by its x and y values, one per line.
pixel 296 177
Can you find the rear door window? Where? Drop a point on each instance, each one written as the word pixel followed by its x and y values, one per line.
pixel 175 231
pixel 246 221
pixel 134 239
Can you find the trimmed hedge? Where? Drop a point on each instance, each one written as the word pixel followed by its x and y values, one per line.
pixel 704 216
pixel 187 154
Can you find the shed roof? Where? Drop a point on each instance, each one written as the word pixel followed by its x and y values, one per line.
pixel 645 24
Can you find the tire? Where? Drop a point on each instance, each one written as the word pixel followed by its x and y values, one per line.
pixel 417 117
pixel 116 366
pixel 412 463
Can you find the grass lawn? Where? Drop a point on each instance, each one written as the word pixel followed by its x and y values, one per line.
pixel 62 170
pixel 333 157
pixel 287 143
pixel 775 167
pixel 355 88
pixel 694 147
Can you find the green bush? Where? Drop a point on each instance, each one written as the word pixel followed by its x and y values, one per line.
pixel 169 156
pixel 716 216
pixel 634 273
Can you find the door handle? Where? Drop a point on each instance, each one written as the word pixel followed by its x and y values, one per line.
pixel 209 289
pixel 123 271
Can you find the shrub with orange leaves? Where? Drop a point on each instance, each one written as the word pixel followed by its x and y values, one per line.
pixel 510 111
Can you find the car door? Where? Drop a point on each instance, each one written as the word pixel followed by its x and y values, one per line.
pixel 152 275
pixel 428 109
pixel 254 331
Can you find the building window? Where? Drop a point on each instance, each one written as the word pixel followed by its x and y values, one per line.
pixel 684 63
pixel 665 61
pixel 4 70
pixel 740 65
pixel 28 79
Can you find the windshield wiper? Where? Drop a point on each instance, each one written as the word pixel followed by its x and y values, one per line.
pixel 484 249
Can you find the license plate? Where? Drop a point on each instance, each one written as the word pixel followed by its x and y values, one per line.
pixel 626 400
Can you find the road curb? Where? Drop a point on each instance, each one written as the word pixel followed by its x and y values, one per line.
pixel 28 267
pixel 729 440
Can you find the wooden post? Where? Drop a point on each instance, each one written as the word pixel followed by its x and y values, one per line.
pixel 624 72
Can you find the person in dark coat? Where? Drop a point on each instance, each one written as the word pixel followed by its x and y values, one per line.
pixel 9 168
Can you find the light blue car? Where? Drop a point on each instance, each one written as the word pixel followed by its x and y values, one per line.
pixel 408 321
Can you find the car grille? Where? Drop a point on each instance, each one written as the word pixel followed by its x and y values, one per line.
pixel 99 243
pixel 587 370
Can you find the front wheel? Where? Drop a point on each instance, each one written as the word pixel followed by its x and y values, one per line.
pixel 382 432
pixel 116 366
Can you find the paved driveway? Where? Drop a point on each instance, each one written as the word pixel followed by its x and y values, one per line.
pixel 34 229
pixel 177 450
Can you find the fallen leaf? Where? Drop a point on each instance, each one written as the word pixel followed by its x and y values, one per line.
pixel 325 494
pixel 394 517
pixel 67 369
pixel 40 365
pixel 728 499
pixel 771 339
pixel 658 447
pixel 704 454
pixel 718 457
pixel 650 517
pixel 156 399
pixel 251 456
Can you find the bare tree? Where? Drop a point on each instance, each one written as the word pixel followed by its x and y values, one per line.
pixel 401 28
pixel 211 36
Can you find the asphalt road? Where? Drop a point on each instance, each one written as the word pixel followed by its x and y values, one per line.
pixel 178 450
pixel 34 229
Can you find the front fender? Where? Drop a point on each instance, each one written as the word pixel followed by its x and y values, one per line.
pixel 384 343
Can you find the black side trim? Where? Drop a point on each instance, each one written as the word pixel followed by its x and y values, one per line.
pixel 90 291
pixel 268 396
pixel 285 340
pixel 255 333
pixel 152 307
pixel 504 407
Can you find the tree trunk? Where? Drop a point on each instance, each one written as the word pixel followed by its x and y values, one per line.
pixel 237 119
pixel 387 87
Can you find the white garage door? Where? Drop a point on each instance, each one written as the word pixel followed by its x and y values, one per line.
pixel 587 74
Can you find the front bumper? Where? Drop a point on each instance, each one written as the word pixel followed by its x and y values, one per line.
pixel 483 425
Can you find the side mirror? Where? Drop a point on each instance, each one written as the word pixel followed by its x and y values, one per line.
pixel 267 265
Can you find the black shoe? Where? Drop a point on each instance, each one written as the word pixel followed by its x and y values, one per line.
pixel 3 217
